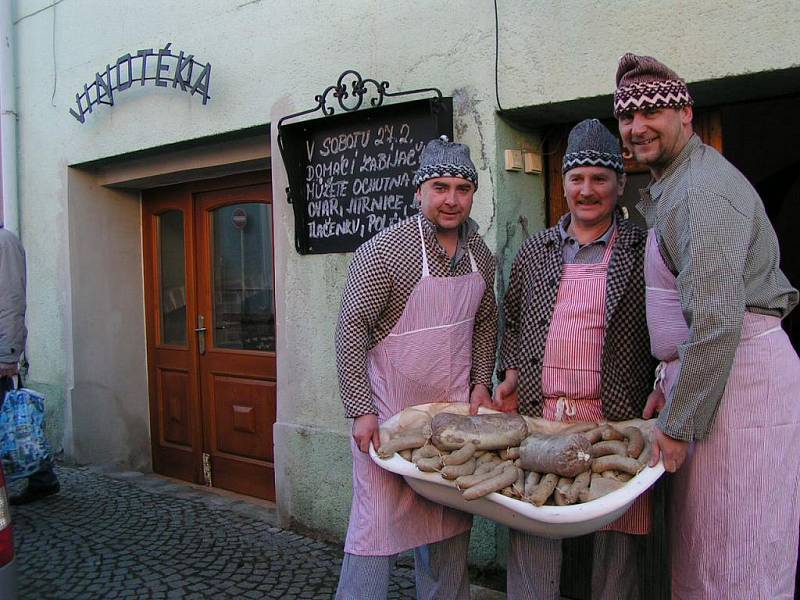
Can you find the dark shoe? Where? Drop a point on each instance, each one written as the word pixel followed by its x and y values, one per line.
pixel 33 494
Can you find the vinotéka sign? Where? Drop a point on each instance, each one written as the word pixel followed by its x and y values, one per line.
pixel 163 68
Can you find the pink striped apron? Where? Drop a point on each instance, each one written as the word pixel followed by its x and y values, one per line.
pixel 571 368
pixel 735 502
pixel 426 357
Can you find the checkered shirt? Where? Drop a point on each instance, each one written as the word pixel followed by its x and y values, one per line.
pixel 714 234
pixel 384 272
pixel 626 365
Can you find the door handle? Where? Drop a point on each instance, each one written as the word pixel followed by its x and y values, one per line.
pixel 201 334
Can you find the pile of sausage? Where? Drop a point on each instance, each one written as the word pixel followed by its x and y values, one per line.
pixel 496 453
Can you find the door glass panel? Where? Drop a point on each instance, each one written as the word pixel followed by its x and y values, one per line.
pixel 172 269
pixel 244 312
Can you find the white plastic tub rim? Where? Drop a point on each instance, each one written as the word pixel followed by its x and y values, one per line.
pixel 548 521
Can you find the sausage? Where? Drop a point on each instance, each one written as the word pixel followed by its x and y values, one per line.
pixel 635 441
pixel 482 473
pixel 500 480
pixel 581 483
pixel 426 451
pixel 561 493
pixel 510 453
pixel 594 435
pixel 429 465
pixel 460 456
pixel 564 455
pixel 531 480
pixel 401 442
pixel 456 471
pixel 542 491
pixel 617 463
pixel 489 432
pixel 612 433
pixel 609 447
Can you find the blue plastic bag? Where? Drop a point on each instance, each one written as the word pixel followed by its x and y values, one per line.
pixel 23 446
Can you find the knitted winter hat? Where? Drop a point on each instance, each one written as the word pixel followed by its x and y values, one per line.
pixel 644 82
pixel 591 144
pixel 443 158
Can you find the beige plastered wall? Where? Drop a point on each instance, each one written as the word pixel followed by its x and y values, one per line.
pixel 270 58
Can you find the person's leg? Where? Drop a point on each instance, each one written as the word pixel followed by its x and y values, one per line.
pixel 365 577
pixel 615 574
pixel 534 567
pixel 441 569
pixel 6 383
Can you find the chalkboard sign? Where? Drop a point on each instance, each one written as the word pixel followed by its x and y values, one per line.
pixel 350 175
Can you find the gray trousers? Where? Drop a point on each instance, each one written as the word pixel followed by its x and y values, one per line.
pixel 534 567
pixel 440 572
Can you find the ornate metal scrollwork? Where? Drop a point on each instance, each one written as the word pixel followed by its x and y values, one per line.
pixel 350 85
pixel 359 89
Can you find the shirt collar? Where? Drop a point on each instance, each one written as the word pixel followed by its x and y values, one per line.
pixel 604 239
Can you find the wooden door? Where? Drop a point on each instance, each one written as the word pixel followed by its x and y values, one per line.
pixel 211 332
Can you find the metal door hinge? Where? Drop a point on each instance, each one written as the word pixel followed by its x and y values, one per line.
pixel 207 469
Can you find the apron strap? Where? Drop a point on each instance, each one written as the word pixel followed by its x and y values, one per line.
pixel 425 270
pixel 610 247
pixel 472 260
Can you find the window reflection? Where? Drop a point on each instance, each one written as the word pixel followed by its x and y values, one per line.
pixel 172 282
pixel 244 312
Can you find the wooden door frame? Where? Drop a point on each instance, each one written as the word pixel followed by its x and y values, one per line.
pixel 181 198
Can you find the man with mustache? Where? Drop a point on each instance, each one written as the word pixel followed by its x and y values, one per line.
pixel 728 394
pixel 575 348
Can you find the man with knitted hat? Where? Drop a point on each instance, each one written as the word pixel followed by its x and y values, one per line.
pixel 576 348
pixel 418 324
pixel 727 395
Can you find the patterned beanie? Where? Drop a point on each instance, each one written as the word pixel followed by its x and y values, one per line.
pixel 643 82
pixel 591 144
pixel 443 158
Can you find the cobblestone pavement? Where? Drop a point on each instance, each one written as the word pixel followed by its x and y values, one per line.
pixel 130 535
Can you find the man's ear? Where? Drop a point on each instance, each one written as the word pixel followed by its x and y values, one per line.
pixel 621 179
pixel 687 114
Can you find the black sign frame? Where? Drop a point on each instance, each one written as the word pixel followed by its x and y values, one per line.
pixel 339 201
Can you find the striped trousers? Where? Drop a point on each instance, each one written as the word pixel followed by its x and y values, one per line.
pixel 534 567
pixel 440 572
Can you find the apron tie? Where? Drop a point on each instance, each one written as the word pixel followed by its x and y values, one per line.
pixel 565 406
pixel 660 369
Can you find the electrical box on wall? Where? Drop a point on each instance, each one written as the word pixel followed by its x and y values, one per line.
pixel 513 160
pixel 532 162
